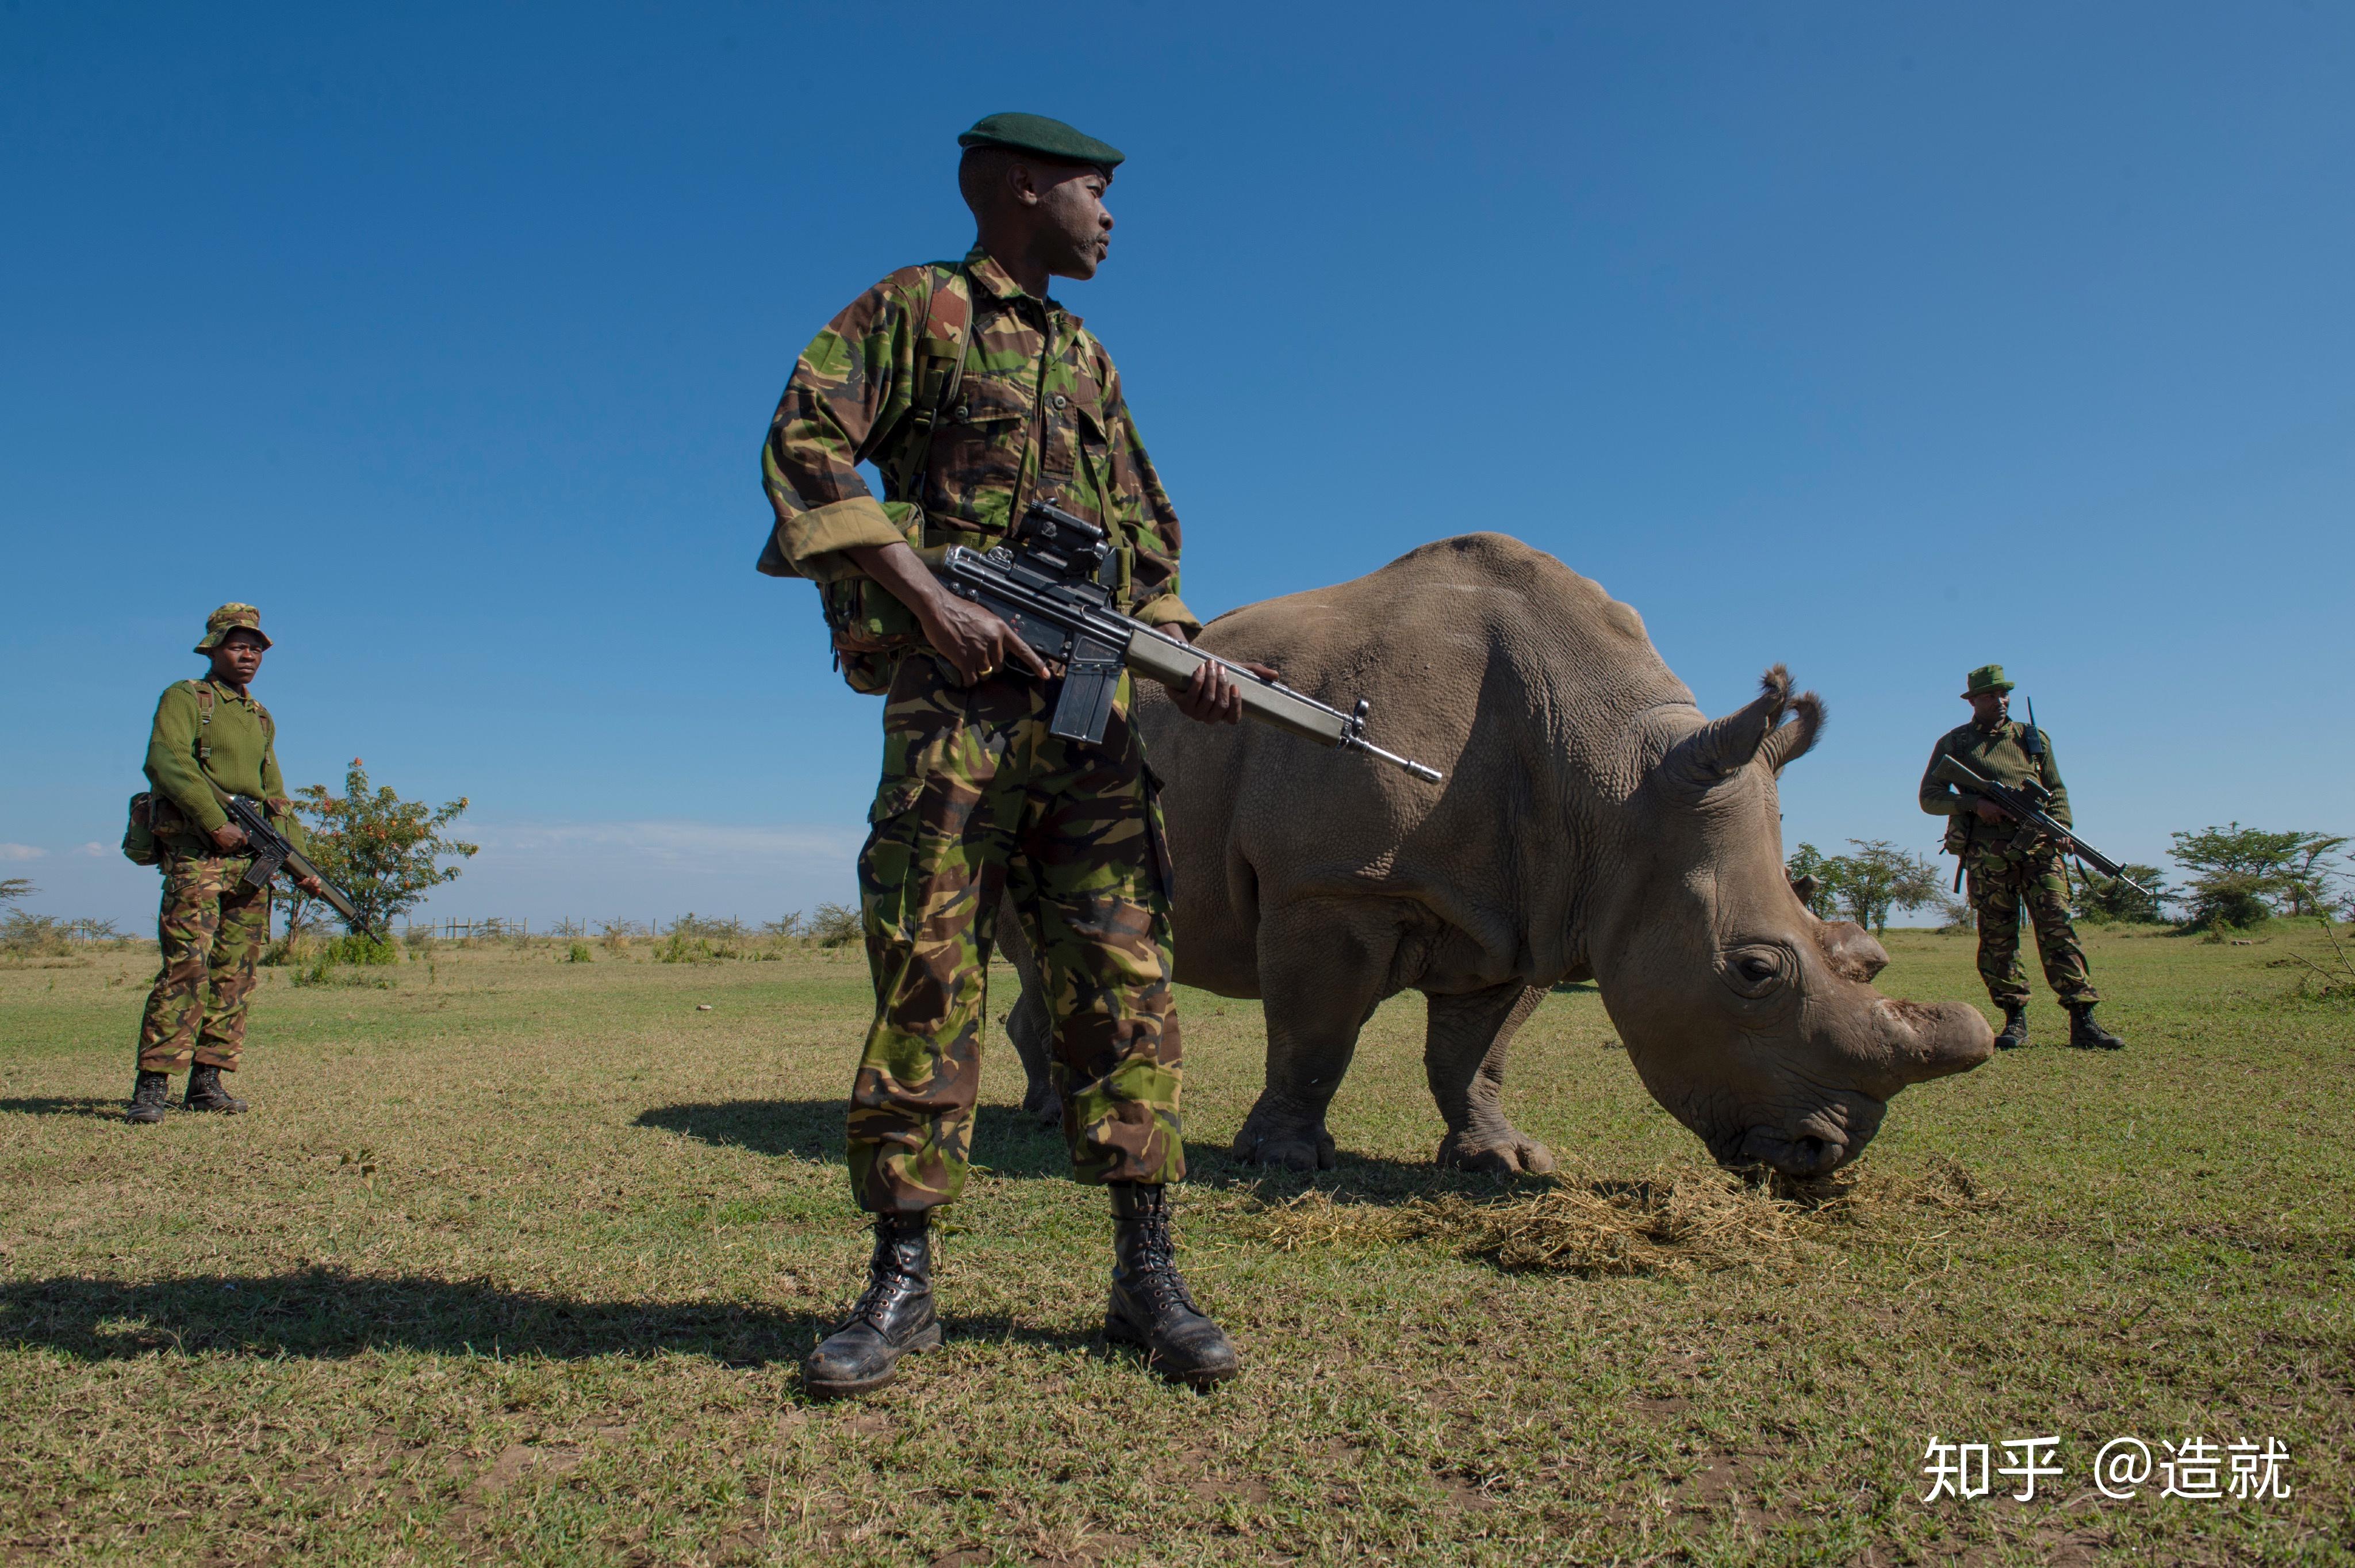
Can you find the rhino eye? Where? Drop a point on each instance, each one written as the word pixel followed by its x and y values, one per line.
pixel 1755 971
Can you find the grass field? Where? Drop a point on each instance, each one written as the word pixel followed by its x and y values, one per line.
pixel 516 1257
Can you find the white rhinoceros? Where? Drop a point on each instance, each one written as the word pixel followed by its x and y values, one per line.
pixel 1593 825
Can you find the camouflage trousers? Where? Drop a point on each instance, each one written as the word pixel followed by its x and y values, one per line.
pixel 977 800
pixel 211 929
pixel 2001 889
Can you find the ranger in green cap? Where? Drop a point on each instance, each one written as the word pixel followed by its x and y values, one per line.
pixel 2012 869
pixel 212 926
pixel 973 393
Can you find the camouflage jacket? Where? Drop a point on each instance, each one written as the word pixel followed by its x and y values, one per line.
pixel 1998 755
pixel 1035 412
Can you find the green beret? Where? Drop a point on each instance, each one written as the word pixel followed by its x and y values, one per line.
pixel 1986 678
pixel 1037 134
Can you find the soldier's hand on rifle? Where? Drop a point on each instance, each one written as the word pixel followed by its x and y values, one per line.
pixel 312 886
pixel 228 837
pixel 1211 697
pixel 977 643
pixel 1988 811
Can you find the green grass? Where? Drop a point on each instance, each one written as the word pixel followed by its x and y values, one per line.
pixel 514 1262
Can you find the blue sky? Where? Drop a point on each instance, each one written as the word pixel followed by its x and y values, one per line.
pixel 1882 340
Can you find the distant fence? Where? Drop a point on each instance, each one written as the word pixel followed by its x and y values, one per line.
pixel 465 930
pixel 496 928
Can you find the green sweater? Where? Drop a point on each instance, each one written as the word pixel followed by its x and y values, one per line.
pixel 1997 754
pixel 242 759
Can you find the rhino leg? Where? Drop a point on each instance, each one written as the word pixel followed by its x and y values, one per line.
pixel 1323 967
pixel 1029 1025
pixel 1463 1055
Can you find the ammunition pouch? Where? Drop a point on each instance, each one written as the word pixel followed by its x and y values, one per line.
pixel 157 827
pixel 868 625
pixel 139 845
pixel 870 629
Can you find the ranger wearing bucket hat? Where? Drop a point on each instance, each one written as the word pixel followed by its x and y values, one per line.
pixel 973 393
pixel 212 924
pixel 2010 873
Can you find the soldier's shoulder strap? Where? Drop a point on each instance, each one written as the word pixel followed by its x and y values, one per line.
pixel 203 692
pixel 944 345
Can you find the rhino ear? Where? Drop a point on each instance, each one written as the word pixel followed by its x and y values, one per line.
pixel 1724 747
pixel 1797 738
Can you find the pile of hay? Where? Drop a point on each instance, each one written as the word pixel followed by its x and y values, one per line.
pixel 1671 1221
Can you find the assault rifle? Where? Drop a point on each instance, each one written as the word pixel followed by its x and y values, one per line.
pixel 1053 582
pixel 272 853
pixel 2025 805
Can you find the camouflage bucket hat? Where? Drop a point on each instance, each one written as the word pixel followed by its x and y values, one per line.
pixel 1986 678
pixel 231 618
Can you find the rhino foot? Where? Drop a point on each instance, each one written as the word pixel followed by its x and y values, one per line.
pixel 1044 1104
pixel 1309 1149
pixel 1508 1154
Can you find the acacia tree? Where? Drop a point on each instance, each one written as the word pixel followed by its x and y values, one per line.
pixel 1879 878
pixel 2100 898
pixel 2311 883
pixel 1822 895
pixel 2237 872
pixel 1866 886
pixel 385 852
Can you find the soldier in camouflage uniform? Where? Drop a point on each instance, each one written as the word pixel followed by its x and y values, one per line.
pixel 2012 869
pixel 212 924
pixel 973 393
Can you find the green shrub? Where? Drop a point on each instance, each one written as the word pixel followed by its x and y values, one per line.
pixel 2102 900
pixel 836 926
pixel 26 935
pixel 361 950
pixel 576 954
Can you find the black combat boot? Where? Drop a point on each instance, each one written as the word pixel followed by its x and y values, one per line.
pixel 893 1316
pixel 2087 1035
pixel 206 1093
pixel 150 1097
pixel 1150 1308
pixel 2015 1027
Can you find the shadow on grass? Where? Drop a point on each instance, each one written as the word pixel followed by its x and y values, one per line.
pixel 329 1314
pixel 108 1110
pixel 1008 1141
pixel 1354 1178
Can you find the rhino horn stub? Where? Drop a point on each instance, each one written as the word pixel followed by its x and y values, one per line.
pixel 1724 747
pixel 1934 1041
pixel 1797 738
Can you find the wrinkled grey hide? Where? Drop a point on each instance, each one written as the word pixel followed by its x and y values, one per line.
pixel 1593 825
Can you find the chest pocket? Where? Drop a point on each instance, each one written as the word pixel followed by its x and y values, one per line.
pixel 978 450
